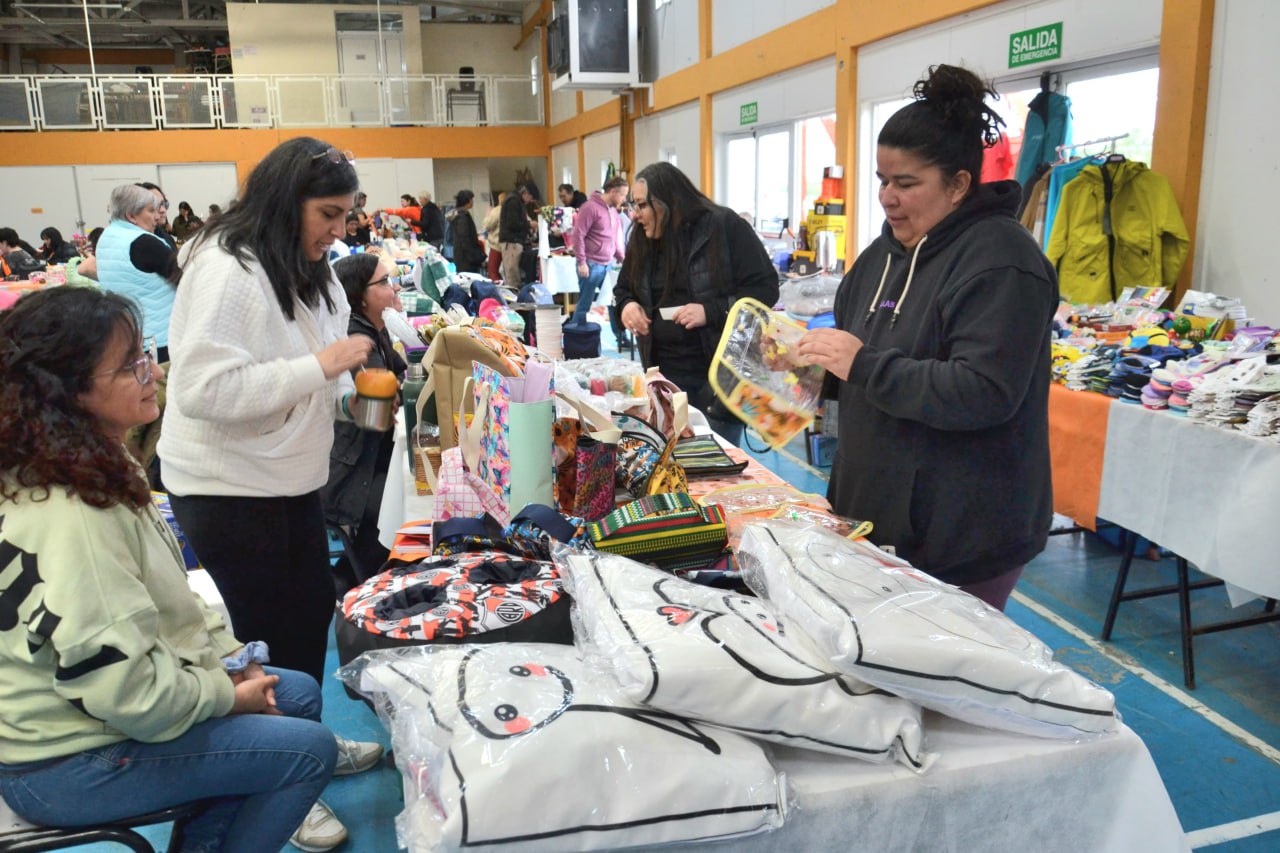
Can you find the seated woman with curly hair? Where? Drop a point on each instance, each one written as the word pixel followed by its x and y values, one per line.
pixel 122 692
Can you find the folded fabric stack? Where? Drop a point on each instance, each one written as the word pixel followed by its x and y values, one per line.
pixel 1090 371
pixel 1227 397
pixel 1128 376
pixel 1264 419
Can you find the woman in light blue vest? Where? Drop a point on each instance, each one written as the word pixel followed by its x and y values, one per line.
pixel 135 263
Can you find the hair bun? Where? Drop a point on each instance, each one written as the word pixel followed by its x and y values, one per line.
pixel 960 96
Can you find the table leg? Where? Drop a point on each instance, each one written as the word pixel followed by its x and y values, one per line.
pixel 1130 545
pixel 1184 618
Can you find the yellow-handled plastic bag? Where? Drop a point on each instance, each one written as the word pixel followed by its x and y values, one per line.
pixel 758 375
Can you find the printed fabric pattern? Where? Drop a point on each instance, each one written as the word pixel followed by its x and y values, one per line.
pixel 453 597
pixel 594 478
pixel 459 492
pixel 494 467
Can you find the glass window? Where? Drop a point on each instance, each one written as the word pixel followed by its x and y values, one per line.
pixel 1108 99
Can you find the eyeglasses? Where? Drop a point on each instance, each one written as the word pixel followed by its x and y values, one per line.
pixel 143 368
pixel 162 206
pixel 640 205
pixel 389 280
pixel 333 155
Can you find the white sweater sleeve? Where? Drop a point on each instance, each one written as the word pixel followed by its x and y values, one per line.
pixel 226 342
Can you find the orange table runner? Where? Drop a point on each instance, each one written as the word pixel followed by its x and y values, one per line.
pixel 1077 444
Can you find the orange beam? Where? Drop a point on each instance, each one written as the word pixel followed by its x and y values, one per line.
pixel 1177 152
pixel 877 20
pixel 246 147
pixel 582 163
pixel 536 20
pixel 592 121
pixel 704 30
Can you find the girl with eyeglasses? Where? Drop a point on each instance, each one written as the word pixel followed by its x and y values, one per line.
pixel 261 358
pixel 359 459
pixel 123 694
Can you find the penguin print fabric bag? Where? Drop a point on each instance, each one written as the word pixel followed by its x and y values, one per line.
pixel 875 616
pixel 684 648
pixel 521 747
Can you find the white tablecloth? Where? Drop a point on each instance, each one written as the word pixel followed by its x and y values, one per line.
pixel 988 791
pixel 560 275
pixel 1206 493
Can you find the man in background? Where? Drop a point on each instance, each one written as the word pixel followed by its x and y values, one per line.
pixel 569 197
pixel 597 241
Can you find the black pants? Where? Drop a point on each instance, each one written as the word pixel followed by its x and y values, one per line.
pixel 270 560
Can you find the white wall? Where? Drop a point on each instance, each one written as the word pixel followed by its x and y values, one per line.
pixel 980 41
pixel 39 196
pixel 488 48
pixel 564 105
pixel 593 98
pixel 565 156
pixel 1240 181
pixel 286 38
pixel 597 149
pixel 469 174
pixel 734 22
pixel 198 184
pixel 802 92
pixel 675 129
pixel 671 36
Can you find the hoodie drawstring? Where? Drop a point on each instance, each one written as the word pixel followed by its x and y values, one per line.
pixel 871 309
pixel 911 271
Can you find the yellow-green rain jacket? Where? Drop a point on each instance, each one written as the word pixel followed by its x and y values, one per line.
pixel 1140 241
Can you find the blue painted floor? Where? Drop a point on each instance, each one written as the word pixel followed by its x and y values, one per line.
pixel 1213 776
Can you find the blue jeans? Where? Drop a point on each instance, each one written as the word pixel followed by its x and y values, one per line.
pixel 262 774
pixel 587 288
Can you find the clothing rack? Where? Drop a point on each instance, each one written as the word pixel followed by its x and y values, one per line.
pixel 1100 140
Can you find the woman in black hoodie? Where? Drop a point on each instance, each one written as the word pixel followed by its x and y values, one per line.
pixel 941 354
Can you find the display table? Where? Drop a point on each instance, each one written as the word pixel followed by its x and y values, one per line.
pixel 1203 492
pixel 987 791
pixel 560 275
pixel 1195 489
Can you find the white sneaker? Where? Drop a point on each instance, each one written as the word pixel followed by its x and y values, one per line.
pixel 355 756
pixel 320 830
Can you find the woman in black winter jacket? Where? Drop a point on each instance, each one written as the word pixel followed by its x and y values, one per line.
pixel 941 354
pixel 691 255
pixel 359 459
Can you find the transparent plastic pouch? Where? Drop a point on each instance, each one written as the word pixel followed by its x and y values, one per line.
pixel 757 374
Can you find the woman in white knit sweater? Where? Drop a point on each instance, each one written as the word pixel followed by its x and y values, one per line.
pixel 260 360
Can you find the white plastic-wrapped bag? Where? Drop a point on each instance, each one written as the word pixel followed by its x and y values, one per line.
pixel 727 659
pixel 519 746
pixel 878 618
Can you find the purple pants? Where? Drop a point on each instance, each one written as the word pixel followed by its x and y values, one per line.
pixel 995 591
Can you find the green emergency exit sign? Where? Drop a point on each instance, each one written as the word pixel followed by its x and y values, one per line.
pixel 1038 45
pixel 749 113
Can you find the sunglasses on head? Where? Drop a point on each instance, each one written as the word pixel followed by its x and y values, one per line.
pixel 333 155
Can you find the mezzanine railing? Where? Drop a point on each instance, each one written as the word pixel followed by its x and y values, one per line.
pixel 211 101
